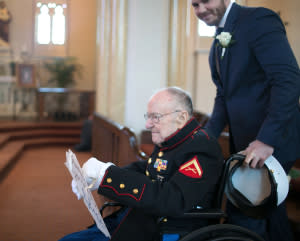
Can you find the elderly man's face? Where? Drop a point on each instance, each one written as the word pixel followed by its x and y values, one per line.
pixel 162 117
pixel 210 11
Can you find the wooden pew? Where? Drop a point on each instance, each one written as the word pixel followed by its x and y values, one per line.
pixel 112 142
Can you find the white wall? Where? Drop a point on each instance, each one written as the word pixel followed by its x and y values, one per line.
pixel 21 26
pixel 146 57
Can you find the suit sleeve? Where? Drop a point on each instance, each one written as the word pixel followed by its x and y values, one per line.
pixel 275 56
pixel 218 118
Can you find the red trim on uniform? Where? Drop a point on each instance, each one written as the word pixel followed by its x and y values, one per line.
pixel 142 192
pixel 126 194
pixel 182 140
pixel 205 133
pixel 123 219
pixel 103 178
pixel 170 136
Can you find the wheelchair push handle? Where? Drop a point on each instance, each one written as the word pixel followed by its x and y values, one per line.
pixel 238 157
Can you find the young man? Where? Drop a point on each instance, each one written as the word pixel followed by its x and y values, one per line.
pixel 181 173
pixel 258 87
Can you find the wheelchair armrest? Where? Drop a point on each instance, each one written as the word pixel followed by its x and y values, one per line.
pixel 205 213
pixel 110 204
pixel 212 213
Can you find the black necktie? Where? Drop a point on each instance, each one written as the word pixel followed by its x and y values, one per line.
pixel 219 30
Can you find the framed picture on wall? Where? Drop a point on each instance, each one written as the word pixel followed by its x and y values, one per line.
pixel 26 75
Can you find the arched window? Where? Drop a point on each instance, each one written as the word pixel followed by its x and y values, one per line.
pixel 43 25
pixel 51 22
pixel 58 26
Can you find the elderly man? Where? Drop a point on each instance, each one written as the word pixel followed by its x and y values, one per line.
pixel 181 173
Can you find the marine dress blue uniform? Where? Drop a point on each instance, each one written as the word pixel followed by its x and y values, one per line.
pixel 180 174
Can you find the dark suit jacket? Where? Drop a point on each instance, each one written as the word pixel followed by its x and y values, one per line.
pixel 259 85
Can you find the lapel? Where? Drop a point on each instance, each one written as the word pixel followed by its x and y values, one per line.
pixel 212 62
pixel 230 25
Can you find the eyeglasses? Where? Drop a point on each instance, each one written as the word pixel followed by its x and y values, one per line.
pixel 155 117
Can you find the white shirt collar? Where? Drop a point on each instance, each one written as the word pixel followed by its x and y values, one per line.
pixel 223 20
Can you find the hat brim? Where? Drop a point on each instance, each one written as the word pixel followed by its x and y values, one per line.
pixel 257 191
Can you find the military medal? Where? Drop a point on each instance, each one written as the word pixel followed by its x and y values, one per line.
pixel 160 165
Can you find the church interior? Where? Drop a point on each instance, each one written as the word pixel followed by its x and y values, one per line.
pixel 64 63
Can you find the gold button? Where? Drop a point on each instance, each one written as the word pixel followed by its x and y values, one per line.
pixel 122 186
pixel 149 161
pixel 165 220
pixel 147 173
pixel 135 191
pixel 160 154
pixel 109 180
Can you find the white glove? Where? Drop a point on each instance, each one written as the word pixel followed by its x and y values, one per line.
pixel 75 190
pixel 93 171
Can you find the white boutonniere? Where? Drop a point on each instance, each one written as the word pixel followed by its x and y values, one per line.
pixel 225 40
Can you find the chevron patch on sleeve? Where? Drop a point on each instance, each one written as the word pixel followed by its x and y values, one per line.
pixel 192 168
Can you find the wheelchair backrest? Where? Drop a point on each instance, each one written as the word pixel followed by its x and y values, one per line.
pixel 223 178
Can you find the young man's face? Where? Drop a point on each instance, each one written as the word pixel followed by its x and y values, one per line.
pixel 210 11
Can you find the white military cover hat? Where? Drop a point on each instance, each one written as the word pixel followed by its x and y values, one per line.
pixel 257 191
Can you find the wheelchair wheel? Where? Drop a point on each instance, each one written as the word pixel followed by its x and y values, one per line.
pixel 222 232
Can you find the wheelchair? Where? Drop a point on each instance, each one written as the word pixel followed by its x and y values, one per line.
pixel 216 230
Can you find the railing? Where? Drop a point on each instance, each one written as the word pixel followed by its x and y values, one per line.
pixel 44 103
pixel 64 104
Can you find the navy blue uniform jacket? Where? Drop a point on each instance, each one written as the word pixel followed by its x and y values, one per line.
pixel 179 175
pixel 259 85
